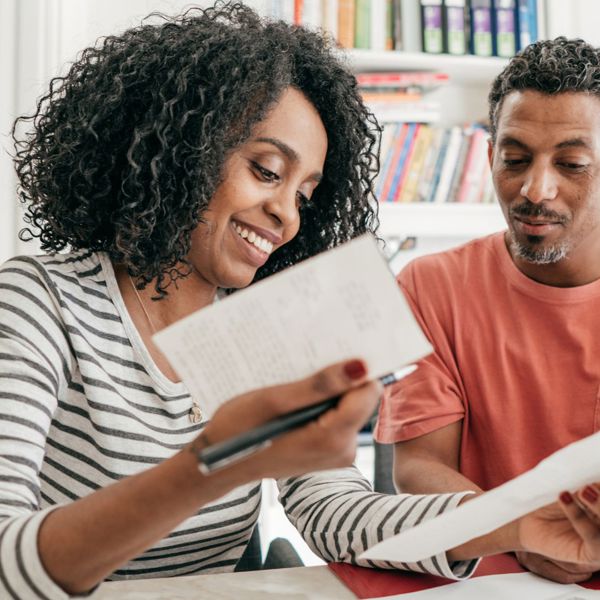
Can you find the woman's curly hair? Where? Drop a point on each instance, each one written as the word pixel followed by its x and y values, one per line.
pixel 127 149
pixel 550 67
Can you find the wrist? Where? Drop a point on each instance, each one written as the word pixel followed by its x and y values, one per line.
pixel 224 478
pixel 503 539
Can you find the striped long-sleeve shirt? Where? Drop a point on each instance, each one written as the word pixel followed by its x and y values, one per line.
pixel 82 405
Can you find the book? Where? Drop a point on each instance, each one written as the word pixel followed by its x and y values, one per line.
pixel 346 10
pixel 447 170
pixel 427 175
pixel 475 168
pixel 459 165
pixel 456 30
pixel 386 151
pixel 397 144
pixel 402 79
pixel 340 304
pixel 505 13
pixel 482 33
pixel 330 17
pixel 415 164
pixel 432 26
pixel 438 166
pixel 406 19
pixel 380 36
pixel 312 14
pixel 399 167
pixel 362 24
pixel 526 23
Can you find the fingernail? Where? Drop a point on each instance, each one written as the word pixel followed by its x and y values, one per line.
pixel 355 369
pixel 566 498
pixel 590 494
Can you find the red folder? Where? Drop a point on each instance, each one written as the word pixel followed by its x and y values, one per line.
pixel 372 583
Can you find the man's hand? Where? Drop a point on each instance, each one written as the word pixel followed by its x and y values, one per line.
pixel 556 570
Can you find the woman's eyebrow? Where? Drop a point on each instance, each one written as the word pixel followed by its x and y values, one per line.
pixel 289 152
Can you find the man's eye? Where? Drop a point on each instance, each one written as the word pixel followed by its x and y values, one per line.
pixel 514 162
pixel 573 166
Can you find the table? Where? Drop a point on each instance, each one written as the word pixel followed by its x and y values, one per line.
pixel 299 583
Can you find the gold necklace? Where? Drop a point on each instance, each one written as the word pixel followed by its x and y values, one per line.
pixel 195 414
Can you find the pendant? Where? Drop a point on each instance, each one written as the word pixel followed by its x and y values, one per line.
pixel 195 414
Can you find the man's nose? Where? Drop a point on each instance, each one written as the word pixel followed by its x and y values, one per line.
pixel 540 184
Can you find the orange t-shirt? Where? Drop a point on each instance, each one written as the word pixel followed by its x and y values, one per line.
pixel 517 360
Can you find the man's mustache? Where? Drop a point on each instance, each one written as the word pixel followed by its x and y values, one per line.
pixel 528 209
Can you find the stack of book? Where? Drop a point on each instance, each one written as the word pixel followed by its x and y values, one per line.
pixel 400 96
pixel 423 163
pixel 480 27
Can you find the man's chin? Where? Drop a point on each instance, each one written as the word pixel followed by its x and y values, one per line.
pixel 538 253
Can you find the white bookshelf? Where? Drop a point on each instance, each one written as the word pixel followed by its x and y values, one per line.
pixel 433 220
pixel 461 70
pixel 463 99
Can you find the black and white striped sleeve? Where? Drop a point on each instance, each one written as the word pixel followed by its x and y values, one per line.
pixel 35 362
pixel 340 516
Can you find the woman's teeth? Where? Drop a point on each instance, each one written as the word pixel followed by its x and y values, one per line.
pixel 255 239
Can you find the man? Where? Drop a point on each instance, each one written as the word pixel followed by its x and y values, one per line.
pixel 514 317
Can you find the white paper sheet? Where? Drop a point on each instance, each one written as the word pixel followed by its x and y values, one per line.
pixel 340 304
pixel 513 586
pixel 570 468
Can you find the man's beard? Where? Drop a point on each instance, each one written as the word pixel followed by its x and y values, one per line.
pixel 538 256
pixel 529 252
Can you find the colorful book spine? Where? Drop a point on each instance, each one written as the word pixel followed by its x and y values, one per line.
pixel 378 35
pixel 439 165
pixel 362 24
pixel 527 23
pixel 402 79
pixel 473 170
pixel 389 177
pixel 505 12
pixel 482 32
pixel 450 158
pixel 428 171
pixel 456 30
pixel 346 23
pixel 329 17
pixel 386 151
pixel 432 26
pixel 400 172
pixel 414 167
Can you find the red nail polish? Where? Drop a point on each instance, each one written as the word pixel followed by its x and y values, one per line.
pixel 566 498
pixel 590 494
pixel 355 369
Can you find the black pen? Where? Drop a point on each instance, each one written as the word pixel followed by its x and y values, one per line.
pixel 223 453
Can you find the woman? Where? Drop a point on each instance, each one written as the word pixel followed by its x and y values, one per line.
pixel 174 160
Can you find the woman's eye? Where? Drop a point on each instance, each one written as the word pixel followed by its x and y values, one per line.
pixel 303 199
pixel 265 173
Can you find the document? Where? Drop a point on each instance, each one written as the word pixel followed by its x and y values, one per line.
pixel 501 587
pixel 570 468
pixel 341 304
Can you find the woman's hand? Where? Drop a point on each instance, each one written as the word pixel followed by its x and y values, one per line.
pixel 563 540
pixel 326 443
